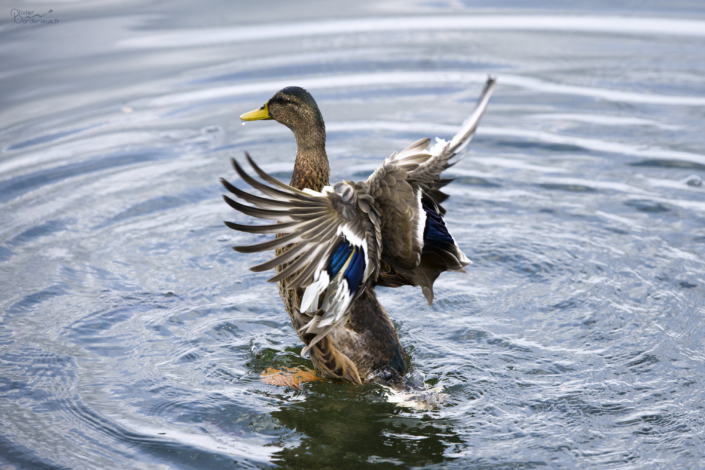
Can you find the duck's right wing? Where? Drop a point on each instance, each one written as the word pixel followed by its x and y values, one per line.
pixel 417 245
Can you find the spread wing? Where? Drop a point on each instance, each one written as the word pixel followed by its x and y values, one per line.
pixel 337 243
pixel 417 245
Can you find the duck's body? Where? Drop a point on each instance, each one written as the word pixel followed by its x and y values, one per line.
pixel 366 347
pixel 351 237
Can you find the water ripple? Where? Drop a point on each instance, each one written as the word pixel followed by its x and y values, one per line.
pixel 575 24
pixel 134 337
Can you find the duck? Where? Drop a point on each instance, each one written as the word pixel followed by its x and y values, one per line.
pixel 333 244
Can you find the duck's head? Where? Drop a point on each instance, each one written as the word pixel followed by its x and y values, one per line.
pixel 296 109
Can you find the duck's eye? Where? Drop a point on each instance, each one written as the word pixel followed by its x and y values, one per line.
pixel 281 99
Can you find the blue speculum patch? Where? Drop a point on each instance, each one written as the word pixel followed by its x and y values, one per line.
pixel 338 257
pixel 355 270
pixel 435 232
pixel 356 267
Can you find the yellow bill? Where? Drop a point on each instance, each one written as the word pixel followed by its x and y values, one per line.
pixel 260 114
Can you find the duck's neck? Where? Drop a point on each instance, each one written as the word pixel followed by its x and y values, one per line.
pixel 311 169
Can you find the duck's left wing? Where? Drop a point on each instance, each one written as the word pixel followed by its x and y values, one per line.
pixel 337 237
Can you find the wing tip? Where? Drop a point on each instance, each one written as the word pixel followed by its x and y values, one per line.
pixel 428 293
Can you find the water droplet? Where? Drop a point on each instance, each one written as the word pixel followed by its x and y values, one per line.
pixel 694 180
pixel 243 123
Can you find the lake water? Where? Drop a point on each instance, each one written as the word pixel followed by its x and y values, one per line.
pixel 133 336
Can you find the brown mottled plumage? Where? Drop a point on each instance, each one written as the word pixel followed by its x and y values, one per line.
pixel 391 225
pixel 338 355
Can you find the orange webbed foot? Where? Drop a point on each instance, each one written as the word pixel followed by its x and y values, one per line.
pixel 293 377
